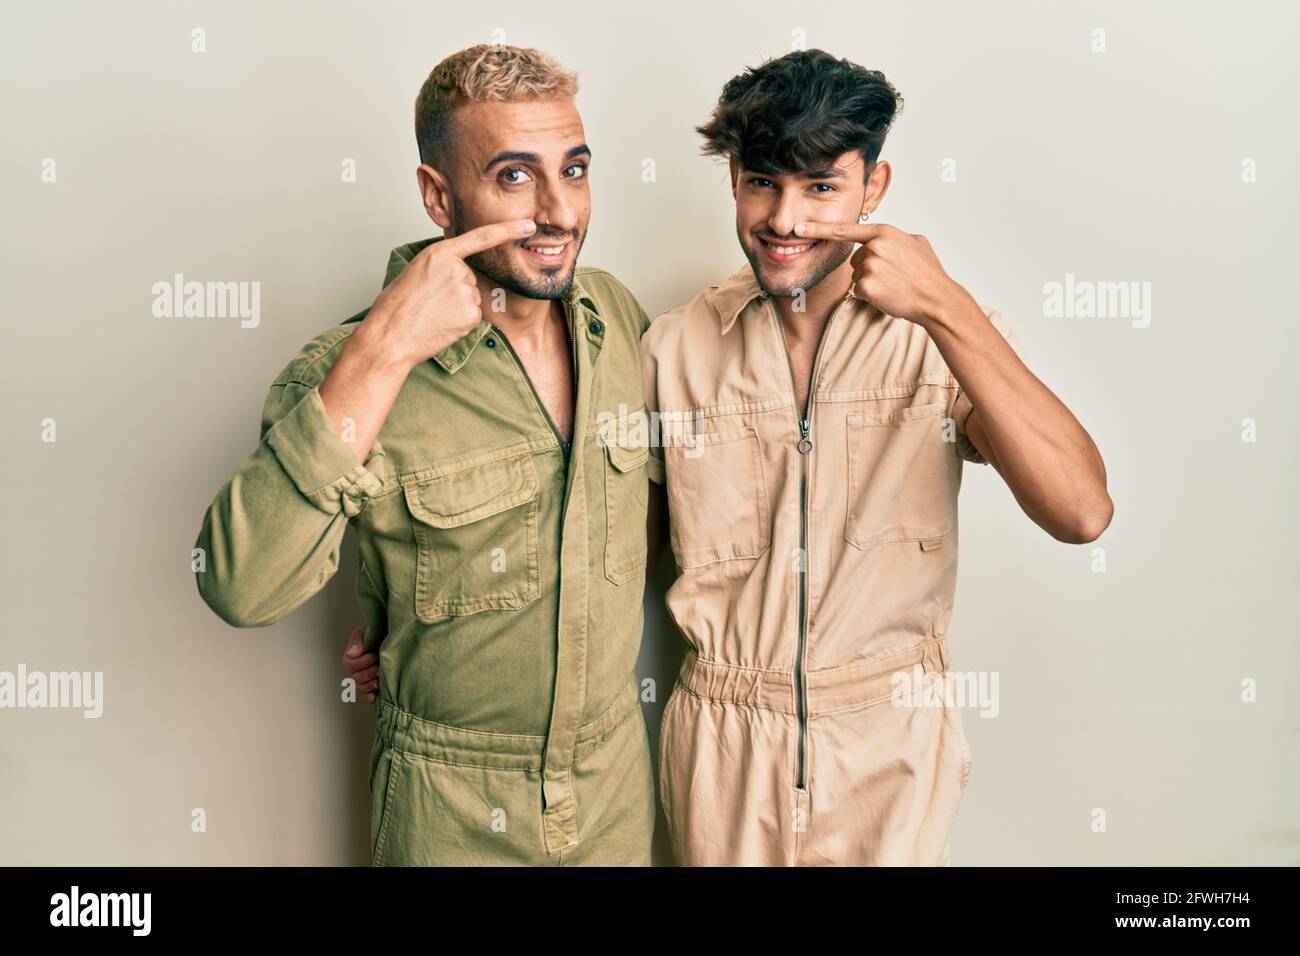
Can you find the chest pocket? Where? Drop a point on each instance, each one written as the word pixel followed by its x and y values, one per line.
pixel 627 493
pixel 717 498
pixel 476 538
pixel 902 478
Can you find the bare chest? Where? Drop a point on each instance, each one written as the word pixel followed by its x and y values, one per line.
pixel 551 372
pixel 802 357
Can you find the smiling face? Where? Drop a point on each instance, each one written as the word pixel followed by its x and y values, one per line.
pixel 769 204
pixel 526 159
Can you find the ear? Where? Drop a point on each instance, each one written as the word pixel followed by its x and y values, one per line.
pixel 735 174
pixel 877 186
pixel 435 190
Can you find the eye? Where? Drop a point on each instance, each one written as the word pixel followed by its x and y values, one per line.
pixel 760 182
pixel 514 176
pixel 823 186
pixel 576 171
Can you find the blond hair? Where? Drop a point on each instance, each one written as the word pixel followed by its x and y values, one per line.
pixel 481 73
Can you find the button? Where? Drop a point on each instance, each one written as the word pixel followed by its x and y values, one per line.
pixel 595 327
pixel 490 342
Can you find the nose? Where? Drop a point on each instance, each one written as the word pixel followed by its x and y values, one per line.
pixel 555 210
pixel 785 213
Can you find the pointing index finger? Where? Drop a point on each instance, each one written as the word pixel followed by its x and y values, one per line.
pixel 844 231
pixel 485 237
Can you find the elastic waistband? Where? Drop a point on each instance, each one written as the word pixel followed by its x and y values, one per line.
pixel 408 732
pixel 830 689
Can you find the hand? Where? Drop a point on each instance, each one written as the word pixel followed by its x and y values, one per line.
pixel 435 300
pixel 895 271
pixel 363 668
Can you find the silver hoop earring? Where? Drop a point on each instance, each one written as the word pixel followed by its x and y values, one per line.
pixel 864 217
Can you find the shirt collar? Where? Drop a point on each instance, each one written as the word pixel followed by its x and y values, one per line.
pixel 457 353
pixel 731 298
pixel 736 293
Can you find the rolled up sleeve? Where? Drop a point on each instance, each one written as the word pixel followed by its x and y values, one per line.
pixel 271 537
pixel 322 466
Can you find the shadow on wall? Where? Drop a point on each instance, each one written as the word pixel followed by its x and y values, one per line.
pixel 361 727
pixel 662 649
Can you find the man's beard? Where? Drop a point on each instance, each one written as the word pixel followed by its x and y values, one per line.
pixel 834 257
pixel 494 263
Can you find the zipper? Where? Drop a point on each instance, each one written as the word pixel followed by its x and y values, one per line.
pixel 537 399
pixel 804 446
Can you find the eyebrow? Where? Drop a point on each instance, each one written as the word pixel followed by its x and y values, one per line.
pixel 830 172
pixel 833 172
pixel 521 157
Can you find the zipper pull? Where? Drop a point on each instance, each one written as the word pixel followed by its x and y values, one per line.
pixel 805 443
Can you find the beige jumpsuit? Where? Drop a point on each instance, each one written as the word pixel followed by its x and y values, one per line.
pixel 817 552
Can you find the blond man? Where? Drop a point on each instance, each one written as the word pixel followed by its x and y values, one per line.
pixel 502 546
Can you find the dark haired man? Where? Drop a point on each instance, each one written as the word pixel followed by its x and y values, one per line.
pixel 814 514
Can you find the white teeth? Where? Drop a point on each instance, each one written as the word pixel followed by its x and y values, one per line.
pixel 548 250
pixel 790 250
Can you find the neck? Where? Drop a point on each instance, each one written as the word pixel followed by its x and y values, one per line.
pixel 818 303
pixel 526 322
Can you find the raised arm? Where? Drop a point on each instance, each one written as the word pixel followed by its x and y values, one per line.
pixel 270 539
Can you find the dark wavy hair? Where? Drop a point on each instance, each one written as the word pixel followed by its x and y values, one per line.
pixel 801 112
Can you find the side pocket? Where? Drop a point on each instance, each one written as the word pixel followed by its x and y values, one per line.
pixel 381 809
pixel 663 751
pixel 902 478
pixel 953 716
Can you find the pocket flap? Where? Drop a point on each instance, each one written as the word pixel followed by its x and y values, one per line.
pixel 900 416
pixel 627 459
pixel 474 492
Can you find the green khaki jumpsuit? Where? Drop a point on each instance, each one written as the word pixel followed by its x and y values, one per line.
pixel 502 571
